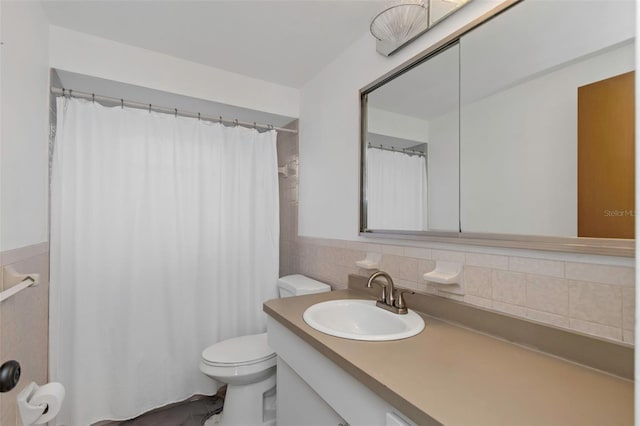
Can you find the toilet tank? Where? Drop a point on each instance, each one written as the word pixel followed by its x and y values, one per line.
pixel 297 285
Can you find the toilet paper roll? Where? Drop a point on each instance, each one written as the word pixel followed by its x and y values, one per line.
pixel 51 394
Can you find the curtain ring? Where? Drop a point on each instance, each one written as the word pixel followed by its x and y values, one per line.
pixel 149 108
pixel 121 103
pixel 254 125
pixel 198 116
pixel 70 93
pixel 64 94
pixel 93 98
pixel 236 121
pixel 221 120
pixel 176 112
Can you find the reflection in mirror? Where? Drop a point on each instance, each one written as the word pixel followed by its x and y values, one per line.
pixel 547 121
pixel 411 149
pixel 396 184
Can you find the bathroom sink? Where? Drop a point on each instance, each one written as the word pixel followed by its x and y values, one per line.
pixel 361 320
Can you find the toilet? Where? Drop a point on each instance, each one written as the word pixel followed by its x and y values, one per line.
pixel 248 366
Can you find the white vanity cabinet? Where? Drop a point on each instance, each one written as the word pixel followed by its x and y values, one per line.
pixel 312 390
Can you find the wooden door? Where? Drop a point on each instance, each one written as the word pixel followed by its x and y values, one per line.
pixel 606 166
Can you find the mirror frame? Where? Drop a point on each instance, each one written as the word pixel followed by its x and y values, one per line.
pixel 598 246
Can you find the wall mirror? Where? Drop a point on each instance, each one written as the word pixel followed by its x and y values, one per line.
pixel 517 131
pixel 412 148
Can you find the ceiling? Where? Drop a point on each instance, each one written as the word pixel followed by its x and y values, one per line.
pixel 427 91
pixel 285 42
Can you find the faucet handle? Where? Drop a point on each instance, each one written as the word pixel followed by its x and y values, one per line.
pixel 383 295
pixel 400 304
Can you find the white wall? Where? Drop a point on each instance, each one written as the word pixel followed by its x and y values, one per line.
pixel 443 171
pixel 519 172
pixel 564 31
pixel 87 54
pixel 24 118
pixel 329 128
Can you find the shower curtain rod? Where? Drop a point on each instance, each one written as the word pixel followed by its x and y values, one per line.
pixel 402 150
pixel 175 111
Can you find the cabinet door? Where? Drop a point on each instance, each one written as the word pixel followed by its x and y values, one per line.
pixel 298 404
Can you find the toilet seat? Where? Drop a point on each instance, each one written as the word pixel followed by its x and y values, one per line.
pixel 239 351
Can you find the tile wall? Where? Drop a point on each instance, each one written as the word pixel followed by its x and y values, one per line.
pixel 593 295
pixel 287 144
pixel 24 323
pixel 596 299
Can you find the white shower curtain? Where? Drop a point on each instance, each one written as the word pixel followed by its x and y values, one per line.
pixel 164 240
pixel 396 190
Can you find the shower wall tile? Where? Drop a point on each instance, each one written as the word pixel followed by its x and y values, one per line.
pixel 24 325
pixel 287 153
pixel 540 290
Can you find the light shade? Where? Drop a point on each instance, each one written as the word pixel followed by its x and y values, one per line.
pixel 399 21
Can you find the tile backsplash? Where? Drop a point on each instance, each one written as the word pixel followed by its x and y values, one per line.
pixel 600 303
pixel 287 144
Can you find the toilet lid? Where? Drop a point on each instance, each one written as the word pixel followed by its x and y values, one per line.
pixel 239 350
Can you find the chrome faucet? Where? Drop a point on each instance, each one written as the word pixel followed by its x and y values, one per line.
pixel 387 298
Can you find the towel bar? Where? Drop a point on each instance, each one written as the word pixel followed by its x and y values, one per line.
pixel 27 280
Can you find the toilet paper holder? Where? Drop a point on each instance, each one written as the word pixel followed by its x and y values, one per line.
pixel 35 402
pixel 29 412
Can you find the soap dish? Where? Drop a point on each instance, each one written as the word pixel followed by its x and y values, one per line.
pixel 371 261
pixel 445 273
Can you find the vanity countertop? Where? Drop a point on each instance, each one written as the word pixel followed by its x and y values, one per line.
pixel 459 376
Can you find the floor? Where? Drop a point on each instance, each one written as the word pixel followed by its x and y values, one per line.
pixel 194 412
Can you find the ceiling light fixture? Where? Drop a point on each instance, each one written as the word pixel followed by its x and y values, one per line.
pixel 400 20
